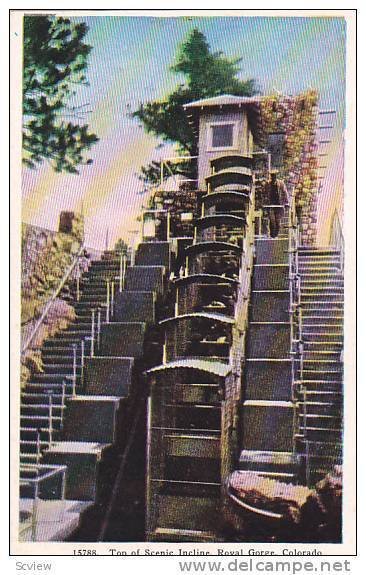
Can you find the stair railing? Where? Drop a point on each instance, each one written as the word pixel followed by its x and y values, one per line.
pixel 112 299
pixel 50 420
pixel 122 271
pixel 296 345
pixel 336 238
pixel 92 334
pixel 99 326
pixel 55 294
pixel 108 301
pixel 74 368
pixel 38 447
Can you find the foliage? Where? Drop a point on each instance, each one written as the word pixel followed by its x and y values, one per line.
pixel 205 74
pixel 296 117
pixel 121 246
pixel 55 59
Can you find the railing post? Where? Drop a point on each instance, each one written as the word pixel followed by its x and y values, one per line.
pixel 112 299
pixel 108 301
pixel 78 281
pixel 124 269
pixel 82 359
pixel 74 366
pixel 92 333
pixel 99 325
pixel 307 463
pixel 35 511
pixel 168 227
pixel 120 277
pixel 50 420
pixel 38 447
pixel 63 394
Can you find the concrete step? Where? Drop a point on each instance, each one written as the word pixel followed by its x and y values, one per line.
pixel 56 359
pixel 64 351
pixel 315 305
pixel 30 433
pixel 39 421
pixel 179 515
pixel 41 410
pixel 318 250
pixel 269 305
pixel 321 449
pixel 322 434
pixel 56 522
pixel 315 372
pixel 50 387
pixel 61 368
pixel 122 339
pixel 321 280
pixel 268 340
pixel 91 419
pixel 267 425
pixel 108 376
pixel 310 297
pixel 323 390
pixel 31 446
pixel 317 267
pixel 320 420
pixel 37 398
pixel 93 303
pixel 62 341
pixel 271 251
pixel 265 379
pixel 319 407
pixel 314 341
pixel 282 476
pixel 51 378
pixel 321 355
pixel 82 460
pixel 268 461
pixel 145 278
pixel 328 330
pixel 134 306
pixel 332 315
pixel 153 253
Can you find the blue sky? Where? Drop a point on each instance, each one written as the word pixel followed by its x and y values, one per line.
pixel 130 63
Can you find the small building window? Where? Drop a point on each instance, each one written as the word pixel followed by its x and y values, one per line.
pixel 222 135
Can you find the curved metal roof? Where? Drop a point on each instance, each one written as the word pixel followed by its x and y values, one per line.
pixel 214 277
pixel 232 170
pixel 200 315
pixel 217 219
pixel 234 196
pixel 232 160
pixel 224 100
pixel 217 368
pixel 201 247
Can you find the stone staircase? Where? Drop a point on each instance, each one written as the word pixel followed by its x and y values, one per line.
pixel 268 409
pixel 320 432
pixel 74 412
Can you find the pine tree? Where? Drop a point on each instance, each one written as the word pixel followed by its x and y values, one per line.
pixel 206 74
pixel 54 61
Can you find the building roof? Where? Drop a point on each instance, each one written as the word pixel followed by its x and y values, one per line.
pixel 216 367
pixel 224 100
pixel 252 104
pixel 201 315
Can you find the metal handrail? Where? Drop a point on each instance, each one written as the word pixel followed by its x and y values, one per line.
pixel 336 237
pixel 52 299
pixel 296 329
pixel 36 481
